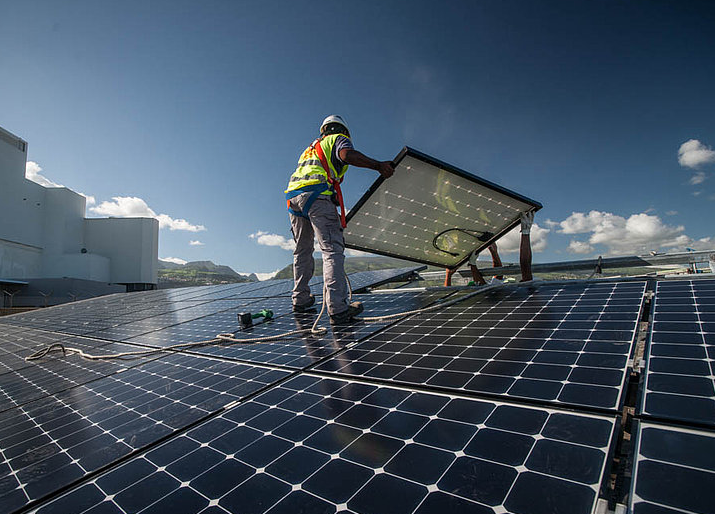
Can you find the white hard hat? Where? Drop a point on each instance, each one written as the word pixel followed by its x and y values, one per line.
pixel 333 118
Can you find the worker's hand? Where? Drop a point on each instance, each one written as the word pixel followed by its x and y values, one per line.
pixel 386 169
pixel 472 261
pixel 526 220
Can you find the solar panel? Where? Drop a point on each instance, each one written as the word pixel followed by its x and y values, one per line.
pixel 59 438
pixel 93 316
pixel 16 342
pixel 431 212
pixel 679 383
pixel 314 444
pixel 553 343
pixel 290 352
pixel 56 373
pixel 125 329
pixel 673 471
pixel 365 279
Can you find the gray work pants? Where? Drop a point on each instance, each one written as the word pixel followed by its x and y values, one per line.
pixel 324 223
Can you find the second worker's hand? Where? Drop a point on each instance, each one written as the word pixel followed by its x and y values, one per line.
pixel 386 169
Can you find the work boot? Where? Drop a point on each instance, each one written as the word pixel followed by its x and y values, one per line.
pixel 306 306
pixel 342 318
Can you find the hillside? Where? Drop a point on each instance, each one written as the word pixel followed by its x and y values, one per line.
pixel 354 264
pixel 198 273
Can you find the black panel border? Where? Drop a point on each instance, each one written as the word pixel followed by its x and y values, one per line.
pixel 411 152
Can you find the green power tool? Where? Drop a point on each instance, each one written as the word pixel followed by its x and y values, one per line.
pixel 246 319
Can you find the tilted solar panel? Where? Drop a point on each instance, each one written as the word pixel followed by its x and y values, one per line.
pixel 433 213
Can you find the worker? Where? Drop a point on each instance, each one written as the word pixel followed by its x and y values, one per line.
pixel 312 196
pixel 526 221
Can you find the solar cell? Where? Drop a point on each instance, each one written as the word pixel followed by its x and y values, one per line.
pixel 50 442
pixel 431 212
pixel 566 343
pixel 673 471
pixel 679 380
pixel 315 444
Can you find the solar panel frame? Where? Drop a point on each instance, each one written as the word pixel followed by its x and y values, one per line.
pixel 458 361
pixel 346 445
pixel 291 352
pixel 408 152
pixel 672 470
pixel 680 337
pixel 354 337
pixel 52 441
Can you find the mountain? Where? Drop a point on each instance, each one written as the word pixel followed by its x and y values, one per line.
pixel 169 265
pixel 198 273
pixel 354 264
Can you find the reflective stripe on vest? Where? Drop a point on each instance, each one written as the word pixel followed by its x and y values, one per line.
pixel 309 170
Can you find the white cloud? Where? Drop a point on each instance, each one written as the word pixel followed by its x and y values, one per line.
pixel 671 213
pixel 697 193
pixel 175 260
pixel 595 221
pixel 550 223
pixel 33 172
pixel 196 243
pixel 693 153
pixel 260 276
pixel 89 199
pixel 697 178
pixel 579 247
pixel 133 207
pixel 266 239
pixel 637 234
pixel 510 242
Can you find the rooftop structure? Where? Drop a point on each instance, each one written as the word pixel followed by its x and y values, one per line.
pixel 571 397
pixel 44 233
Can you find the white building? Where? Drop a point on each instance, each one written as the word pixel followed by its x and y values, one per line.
pixel 44 234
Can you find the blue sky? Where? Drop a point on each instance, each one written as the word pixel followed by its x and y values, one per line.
pixel 198 111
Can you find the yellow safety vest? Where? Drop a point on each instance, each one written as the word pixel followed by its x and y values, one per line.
pixel 309 170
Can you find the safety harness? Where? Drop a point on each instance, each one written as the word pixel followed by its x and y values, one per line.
pixel 333 185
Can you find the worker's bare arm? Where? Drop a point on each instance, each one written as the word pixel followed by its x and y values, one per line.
pixel 526 220
pixel 355 158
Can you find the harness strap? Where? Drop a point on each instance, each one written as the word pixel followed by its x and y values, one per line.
pixel 315 190
pixel 335 184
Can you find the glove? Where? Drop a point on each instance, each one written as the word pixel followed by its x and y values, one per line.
pixel 526 220
pixel 472 261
